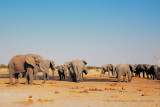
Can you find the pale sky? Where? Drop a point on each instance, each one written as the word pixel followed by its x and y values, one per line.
pixel 98 31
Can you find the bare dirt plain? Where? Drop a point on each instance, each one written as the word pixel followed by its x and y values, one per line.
pixel 94 91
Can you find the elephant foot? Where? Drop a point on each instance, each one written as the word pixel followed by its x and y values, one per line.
pixel 16 83
pixel 11 83
pixel 43 82
pixel 118 80
pixel 129 81
pixel 31 84
pixel 26 83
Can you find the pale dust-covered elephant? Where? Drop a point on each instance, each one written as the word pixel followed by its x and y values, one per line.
pixel 25 64
pixel 76 69
pixel 125 70
pixel 108 68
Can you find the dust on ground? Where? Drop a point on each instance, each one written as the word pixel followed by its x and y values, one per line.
pixel 94 91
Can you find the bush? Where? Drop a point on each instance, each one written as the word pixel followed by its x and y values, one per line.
pixel 93 67
pixel 3 66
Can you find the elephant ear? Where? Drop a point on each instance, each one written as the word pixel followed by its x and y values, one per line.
pixel 84 62
pixel 131 68
pixel 30 60
pixel 52 65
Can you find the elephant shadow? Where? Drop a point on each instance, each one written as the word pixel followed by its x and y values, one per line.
pixel 4 75
pixel 99 80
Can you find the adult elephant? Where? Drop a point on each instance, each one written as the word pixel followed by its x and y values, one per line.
pixel 154 71
pixel 25 64
pixel 76 69
pixel 144 68
pixel 47 65
pixel 108 68
pixel 125 69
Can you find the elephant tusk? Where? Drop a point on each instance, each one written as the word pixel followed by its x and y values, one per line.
pixel 41 68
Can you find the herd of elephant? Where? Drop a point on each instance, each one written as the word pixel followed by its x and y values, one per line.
pixel 131 71
pixel 28 65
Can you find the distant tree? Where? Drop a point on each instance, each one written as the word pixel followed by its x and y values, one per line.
pixel 157 59
pixel 93 67
pixel 3 66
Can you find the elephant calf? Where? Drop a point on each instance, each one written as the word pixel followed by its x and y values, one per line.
pixel 124 69
pixel 62 73
pixel 108 68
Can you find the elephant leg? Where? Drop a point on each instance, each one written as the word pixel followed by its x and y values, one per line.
pixel 44 77
pixel 30 74
pixel 27 78
pixel 124 78
pixel 16 78
pixel 139 75
pixel 112 72
pixel 80 77
pixel 147 76
pixel 118 78
pixel 153 76
pixel 47 75
pixel 59 77
pixel 129 77
pixel 143 74
pixel 108 73
pixel 64 77
pixel 53 74
pixel 36 77
pixel 70 77
pixel 11 76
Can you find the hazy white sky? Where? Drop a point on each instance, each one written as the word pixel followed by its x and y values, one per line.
pixel 99 31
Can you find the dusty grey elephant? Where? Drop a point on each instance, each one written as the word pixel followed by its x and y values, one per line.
pixel 124 69
pixel 154 71
pixel 76 69
pixel 108 68
pixel 144 68
pixel 47 65
pixel 62 73
pixel 25 64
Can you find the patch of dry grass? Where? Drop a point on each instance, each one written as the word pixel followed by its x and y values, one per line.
pixel 3 70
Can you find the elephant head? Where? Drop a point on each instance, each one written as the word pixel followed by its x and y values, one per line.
pixel 66 66
pixel 36 61
pixel 132 69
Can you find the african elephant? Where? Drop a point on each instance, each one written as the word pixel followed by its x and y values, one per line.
pixel 125 69
pixel 47 64
pixel 76 69
pixel 108 68
pixel 62 73
pixel 154 71
pixel 66 67
pixel 144 68
pixel 25 64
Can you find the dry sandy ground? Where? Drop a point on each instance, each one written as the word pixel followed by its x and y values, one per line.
pixel 94 91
